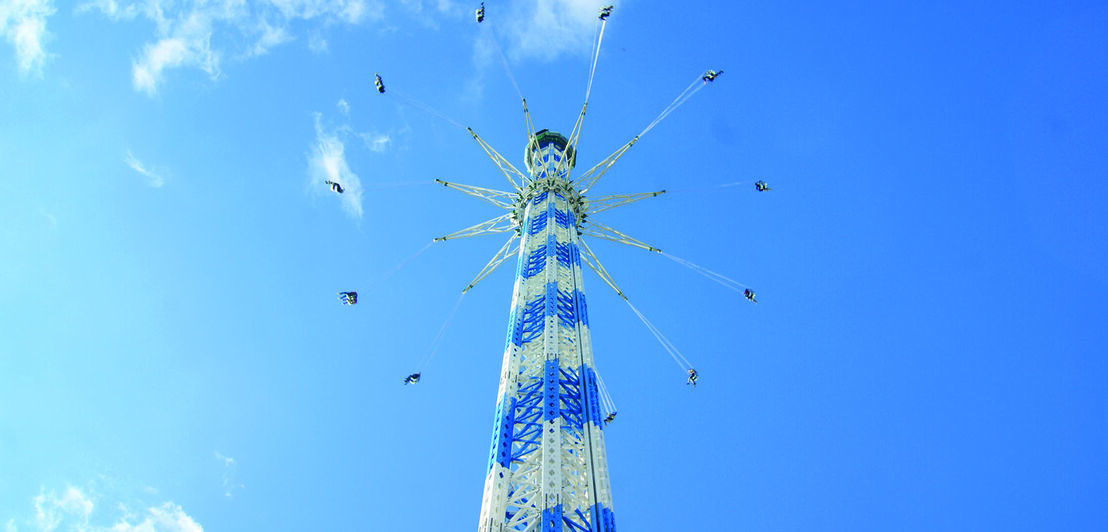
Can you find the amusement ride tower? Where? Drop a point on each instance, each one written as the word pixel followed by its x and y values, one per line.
pixel 547 461
pixel 547 469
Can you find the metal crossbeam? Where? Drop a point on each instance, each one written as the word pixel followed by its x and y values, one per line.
pixel 605 203
pixel 601 231
pixel 593 263
pixel 505 253
pixel 527 120
pixel 500 224
pixel 595 173
pixel 501 199
pixel 505 167
pixel 576 133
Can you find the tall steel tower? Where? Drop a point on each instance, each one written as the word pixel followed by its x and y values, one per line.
pixel 547 462
pixel 547 468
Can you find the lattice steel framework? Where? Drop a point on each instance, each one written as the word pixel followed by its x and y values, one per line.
pixel 547 468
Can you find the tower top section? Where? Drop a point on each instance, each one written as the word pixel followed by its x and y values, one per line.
pixel 546 152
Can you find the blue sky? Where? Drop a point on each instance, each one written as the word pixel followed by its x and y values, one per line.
pixel 927 352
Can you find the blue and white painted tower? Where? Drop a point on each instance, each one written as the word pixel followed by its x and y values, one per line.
pixel 547 468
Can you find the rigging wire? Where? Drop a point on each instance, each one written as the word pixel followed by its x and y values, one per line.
pixel 438 337
pixel 713 187
pixel 717 277
pixel 606 402
pixel 397 268
pixel 595 56
pixel 504 61
pixel 689 91
pixel 426 108
pixel 396 184
pixel 676 355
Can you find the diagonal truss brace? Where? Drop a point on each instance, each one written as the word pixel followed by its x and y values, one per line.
pixel 500 224
pixel 505 167
pixel 527 120
pixel 601 231
pixel 595 173
pixel 501 199
pixel 604 203
pixel 574 136
pixel 591 261
pixel 505 253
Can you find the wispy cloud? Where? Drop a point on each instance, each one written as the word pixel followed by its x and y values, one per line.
pixel 188 34
pixel 230 484
pixel 328 163
pixel 343 106
pixel 72 508
pixel 50 218
pixel 153 178
pixel 168 517
pixel 546 29
pixel 376 142
pixel 23 24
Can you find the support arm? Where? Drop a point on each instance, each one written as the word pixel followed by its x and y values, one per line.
pixel 597 268
pixel 604 203
pixel 496 197
pixel 604 232
pixel 505 253
pixel 505 167
pixel 500 224
pixel 595 173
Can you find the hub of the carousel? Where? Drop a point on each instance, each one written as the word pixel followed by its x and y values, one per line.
pixel 549 158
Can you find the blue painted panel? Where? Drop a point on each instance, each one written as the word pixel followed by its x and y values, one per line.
pixel 567 314
pixel 538 222
pixel 539 199
pixel 562 218
pixel 590 394
pixel 533 321
pixel 536 262
pixel 603 519
pixel 582 308
pixel 575 526
pixel 552 299
pixel 501 452
pixel 551 398
pixel 552 519
pixel 568 254
pixel 572 411
pixel 528 419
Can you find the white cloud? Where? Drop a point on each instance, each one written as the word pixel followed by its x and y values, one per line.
pixel 229 467
pixel 73 511
pixel 191 33
pixel 72 508
pixel 23 24
pixel 328 163
pixel 154 179
pixel 546 29
pixel 377 142
pixel 270 37
pixel 110 8
pixel 344 107
pixel 168 517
